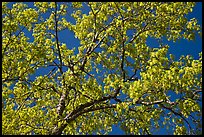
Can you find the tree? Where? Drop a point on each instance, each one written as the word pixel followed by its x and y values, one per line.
pixel 113 77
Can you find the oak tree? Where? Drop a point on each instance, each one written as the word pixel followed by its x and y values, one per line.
pixel 113 77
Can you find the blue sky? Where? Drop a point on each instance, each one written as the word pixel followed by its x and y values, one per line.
pixel 183 47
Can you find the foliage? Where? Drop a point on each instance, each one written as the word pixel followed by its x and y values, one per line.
pixel 113 77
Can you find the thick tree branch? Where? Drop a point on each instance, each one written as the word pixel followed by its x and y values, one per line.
pixel 91 109
pixel 80 109
pixel 88 104
pixel 63 97
pixel 59 131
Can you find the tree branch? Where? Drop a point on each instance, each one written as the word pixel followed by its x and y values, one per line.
pixel 80 110
pixel 136 35
pixel 178 114
pixel 57 40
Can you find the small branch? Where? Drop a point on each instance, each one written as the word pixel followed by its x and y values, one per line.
pixel 117 100
pixel 96 108
pixel 133 79
pixel 11 40
pixel 116 92
pixel 57 40
pixel 9 79
pixel 179 114
pixel 145 129
pixel 54 89
pixel 122 62
pixel 51 72
pixel 118 10
pixel 136 35
pixel 84 95
pixel 123 45
pixel 150 103
pixel 30 93
pixel 89 51
pixel 57 65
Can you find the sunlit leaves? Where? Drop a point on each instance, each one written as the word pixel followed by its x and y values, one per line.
pixel 42 6
pixel 188 106
pixel 112 77
pixel 180 130
pixel 77 4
